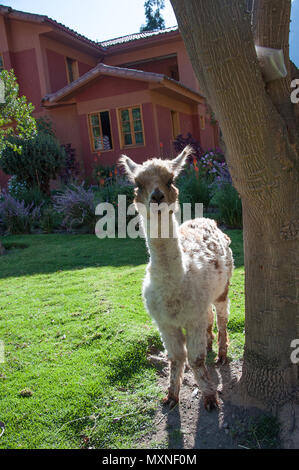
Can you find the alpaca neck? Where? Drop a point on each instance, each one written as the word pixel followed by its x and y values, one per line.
pixel 165 252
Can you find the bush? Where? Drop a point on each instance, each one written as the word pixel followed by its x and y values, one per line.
pixel 71 169
pixel 21 192
pixel 16 217
pixel 77 205
pixel 230 205
pixel 194 188
pixel 50 220
pixel 15 188
pixel 181 142
pixel 40 160
pixel 105 175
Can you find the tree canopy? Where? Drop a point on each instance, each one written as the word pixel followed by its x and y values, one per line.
pixel 154 20
pixel 15 112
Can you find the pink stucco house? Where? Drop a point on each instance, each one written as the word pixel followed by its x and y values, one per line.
pixel 132 94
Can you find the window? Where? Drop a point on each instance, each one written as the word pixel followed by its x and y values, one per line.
pixel 100 131
pixel 72 69
pixel 1 63
pixel 202 122
pixel 131 126
pixel 175 124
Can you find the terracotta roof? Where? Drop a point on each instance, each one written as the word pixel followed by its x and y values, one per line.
pixel 35 18
pixel 121 72
pixel 136 37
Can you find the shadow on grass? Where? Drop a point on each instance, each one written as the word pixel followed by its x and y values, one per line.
pixel 133 360
pixel 42 254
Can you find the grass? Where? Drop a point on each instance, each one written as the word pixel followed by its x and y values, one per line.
pixel 259 432
pixel 76 337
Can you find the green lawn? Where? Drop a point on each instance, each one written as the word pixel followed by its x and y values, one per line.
pixel 76 336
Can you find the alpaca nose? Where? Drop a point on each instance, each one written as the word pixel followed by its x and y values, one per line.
pixel 157 196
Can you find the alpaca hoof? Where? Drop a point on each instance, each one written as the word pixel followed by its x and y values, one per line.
pixel 221 360
pixel 170 400
pixel 211 401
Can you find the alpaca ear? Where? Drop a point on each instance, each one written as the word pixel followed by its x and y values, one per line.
pixel 179 162
pixel 129 167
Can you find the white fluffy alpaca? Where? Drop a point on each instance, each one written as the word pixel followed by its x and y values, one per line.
pixel 188 272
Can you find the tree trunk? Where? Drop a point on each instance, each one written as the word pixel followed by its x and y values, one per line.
pixel 262 143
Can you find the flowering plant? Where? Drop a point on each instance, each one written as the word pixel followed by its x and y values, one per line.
pixel 15 216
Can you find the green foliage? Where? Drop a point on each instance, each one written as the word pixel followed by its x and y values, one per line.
pixel 50 220
pixel 229 203
pixel 15 114
pixel 45 126
pixel 30 195
pixel 105 175
pixel 39 160
pixel 154 20
pixel 111 192
pixel 194 188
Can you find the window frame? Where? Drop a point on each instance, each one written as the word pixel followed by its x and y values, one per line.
pixel 75 68
pixel 91 136
pixel 121 133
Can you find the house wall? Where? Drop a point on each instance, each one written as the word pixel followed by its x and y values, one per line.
pixel 175 46
pixel 54 55
pixel 114 93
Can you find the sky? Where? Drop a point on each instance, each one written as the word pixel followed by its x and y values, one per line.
pixel 107 19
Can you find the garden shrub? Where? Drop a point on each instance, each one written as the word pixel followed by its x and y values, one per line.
pixel 71 169
pixel 77 205
pixel 105 175
pixel 194 188
pixel 181 142
pixel 30 195
pixel 39 161
pixel 229 203
pixel 16 217
pixel 50 220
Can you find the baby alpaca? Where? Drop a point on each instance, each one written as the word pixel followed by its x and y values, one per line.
pixel 189 272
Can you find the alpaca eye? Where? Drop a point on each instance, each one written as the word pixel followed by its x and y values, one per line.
pixel 170 182
pixel 139 187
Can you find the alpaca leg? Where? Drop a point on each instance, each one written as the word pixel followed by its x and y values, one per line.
pixel 210 334
pixel 174 342
pixel 196 348
pixel 222 308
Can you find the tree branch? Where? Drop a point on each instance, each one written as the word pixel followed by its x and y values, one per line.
pixel 271 28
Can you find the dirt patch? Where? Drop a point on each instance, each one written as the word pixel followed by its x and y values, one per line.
pixel 190 426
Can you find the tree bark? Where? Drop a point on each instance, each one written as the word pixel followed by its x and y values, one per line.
pixel 262 144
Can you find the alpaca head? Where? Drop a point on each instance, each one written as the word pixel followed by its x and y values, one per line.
pixel 154 180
